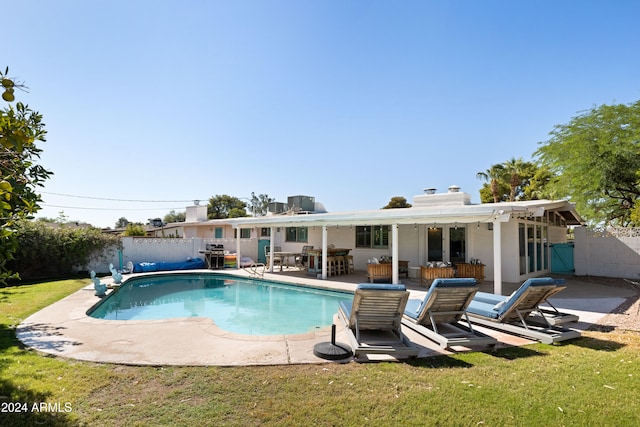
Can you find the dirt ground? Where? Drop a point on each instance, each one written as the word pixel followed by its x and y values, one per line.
pixel 627 316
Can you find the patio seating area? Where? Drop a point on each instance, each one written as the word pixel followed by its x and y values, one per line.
pixel 339 262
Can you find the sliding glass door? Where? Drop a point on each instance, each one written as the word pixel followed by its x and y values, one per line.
pixel 457 245
pixel 434 244
pixel 452 238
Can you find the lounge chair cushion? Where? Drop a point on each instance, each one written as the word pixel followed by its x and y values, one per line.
pixel 345 306
pixel 382 286
pixel 488 305
pixel 502 301
pixel 482 309
pixel 415 306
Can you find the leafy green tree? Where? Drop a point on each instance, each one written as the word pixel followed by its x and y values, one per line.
pixel 635 212
pixel 174 216
pixel 122 222
pixel 224 206
pixel 260 204
pixel 397 202
pixel 20 130
pixel 596 159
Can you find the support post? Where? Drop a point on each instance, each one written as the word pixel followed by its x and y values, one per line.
pixel 324 252
pixel 238 250
pixel 395 276
pixel 497 257
pixel 272 245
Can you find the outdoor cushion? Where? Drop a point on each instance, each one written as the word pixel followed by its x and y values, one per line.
pixel 414 306
pixel 542 281
pixel 488 305
pixel 382 286
pixel 189 264
pixel 482 309
pixel 488 298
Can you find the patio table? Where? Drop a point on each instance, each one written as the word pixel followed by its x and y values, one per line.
pixel 286 256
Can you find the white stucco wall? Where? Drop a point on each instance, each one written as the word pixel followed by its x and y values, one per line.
pixel 607 253
pixel 510 254
pixel 480 246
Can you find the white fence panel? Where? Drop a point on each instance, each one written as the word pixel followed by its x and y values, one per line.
pixel 139 249
pixel 614 252
pixel 159 249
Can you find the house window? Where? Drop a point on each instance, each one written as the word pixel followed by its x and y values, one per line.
pixel 297 234
pixel 217 233
pixel 376 236
pixel 245 233
pixel 265 232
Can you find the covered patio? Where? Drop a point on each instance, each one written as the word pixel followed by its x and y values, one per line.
pixel 502 233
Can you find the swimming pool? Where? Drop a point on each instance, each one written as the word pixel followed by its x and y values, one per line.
pixel 236 304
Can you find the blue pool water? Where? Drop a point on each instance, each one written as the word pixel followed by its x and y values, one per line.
pixel 239 305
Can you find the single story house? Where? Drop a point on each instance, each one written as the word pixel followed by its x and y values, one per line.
pixel 511 239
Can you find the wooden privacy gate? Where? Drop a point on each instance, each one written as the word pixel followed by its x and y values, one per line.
pixel 562 258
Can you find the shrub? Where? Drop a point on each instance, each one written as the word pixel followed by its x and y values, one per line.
pixel 55 250
pixel 134 230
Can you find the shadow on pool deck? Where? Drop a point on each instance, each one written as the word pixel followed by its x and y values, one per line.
pixel 63 329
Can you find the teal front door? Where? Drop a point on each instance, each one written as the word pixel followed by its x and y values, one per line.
pixel 262 258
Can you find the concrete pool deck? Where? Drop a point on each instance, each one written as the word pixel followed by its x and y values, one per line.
pixel 63 329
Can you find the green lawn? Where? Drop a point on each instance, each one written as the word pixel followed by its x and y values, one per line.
pixel 594 380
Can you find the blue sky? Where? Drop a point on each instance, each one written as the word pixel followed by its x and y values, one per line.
pixel 351 102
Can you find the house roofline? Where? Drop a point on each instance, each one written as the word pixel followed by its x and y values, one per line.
pixel 463 214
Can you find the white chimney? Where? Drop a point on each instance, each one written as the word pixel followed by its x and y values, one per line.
pixel 196 213
pixel 454 197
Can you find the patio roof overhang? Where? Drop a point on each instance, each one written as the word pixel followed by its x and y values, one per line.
pixel 463 214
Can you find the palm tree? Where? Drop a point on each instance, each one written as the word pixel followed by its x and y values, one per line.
pixel 493 176
pixel 514 169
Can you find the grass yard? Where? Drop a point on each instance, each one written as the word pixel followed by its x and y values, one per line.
pixel 594 380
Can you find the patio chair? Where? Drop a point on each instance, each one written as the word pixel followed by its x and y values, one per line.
pixel 374 320
pixel 303 258
pixel 514 313
pixel 277 260
pixel 439 316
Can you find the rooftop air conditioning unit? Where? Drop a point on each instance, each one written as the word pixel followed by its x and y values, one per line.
pixel 301 203
pixel 277 207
